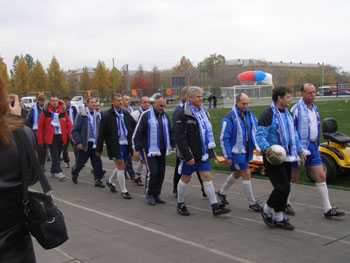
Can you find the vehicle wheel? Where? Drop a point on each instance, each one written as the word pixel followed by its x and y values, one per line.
pixel 330 167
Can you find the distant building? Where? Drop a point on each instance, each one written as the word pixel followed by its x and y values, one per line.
pixel 252 62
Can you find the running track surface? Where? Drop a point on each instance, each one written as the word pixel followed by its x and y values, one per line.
pixel 105 228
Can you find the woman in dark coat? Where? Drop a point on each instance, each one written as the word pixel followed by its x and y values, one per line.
pixel 15 241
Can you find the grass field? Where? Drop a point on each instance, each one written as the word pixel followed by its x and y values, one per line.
pixel 339 109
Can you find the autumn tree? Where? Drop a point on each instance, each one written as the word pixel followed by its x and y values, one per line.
pixel 20 77
pixel 56 79
pixel 100 79
pixel 37 78
pixel 30 61
pixel 155 79
pixel 85 80
pixel 4 76
pixel 139 82
pixel 184 68
pixel 115 78
pixel 210 64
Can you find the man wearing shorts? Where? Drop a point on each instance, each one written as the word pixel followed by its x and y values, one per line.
pixel 194 141
pixel 307 123
pixel 238 143
pixel 116 129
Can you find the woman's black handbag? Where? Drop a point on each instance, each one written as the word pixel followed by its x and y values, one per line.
pixel 44 220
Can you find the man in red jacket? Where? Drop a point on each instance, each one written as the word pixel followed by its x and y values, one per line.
pixel 54 128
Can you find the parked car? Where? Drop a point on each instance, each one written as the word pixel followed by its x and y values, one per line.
pixel 325 91
pixel 170 99
pixel 78 102
pixel 28 102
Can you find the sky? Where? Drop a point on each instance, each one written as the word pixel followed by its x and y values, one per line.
pixel 157 33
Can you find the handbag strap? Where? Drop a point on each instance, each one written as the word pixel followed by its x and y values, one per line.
pixel 29 164
pixel 22 148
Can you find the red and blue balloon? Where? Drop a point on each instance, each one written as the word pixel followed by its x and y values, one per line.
pixel 255 76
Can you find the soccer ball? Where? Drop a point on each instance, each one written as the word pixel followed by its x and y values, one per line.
pixel 277 155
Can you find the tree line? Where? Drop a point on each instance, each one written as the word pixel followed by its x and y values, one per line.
pixel 28 76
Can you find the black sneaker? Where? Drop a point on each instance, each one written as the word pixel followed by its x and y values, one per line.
pixel 98 183
pixel 256 207
pixel 126 195
pixel 222 198
pixel 138 181
pixel 219 209
pixel 289 210
pixel 150 200
pixel 75 178
pixel 284 225
pixel 334 212
pixel 111 187
pixel 182 209
pixel 204 195
pixel 159 200
pixel 268 220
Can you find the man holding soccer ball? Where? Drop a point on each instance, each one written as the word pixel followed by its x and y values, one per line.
pixel 277 138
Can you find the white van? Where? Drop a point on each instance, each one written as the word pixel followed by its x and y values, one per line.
pixel 28 102
pixel 77 102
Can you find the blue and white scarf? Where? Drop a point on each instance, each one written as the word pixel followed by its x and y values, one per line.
pixel 285 131
pixel 92 127
pixel 35 117
pixel 121 128
pixel 239 147
pixel 56 123
pixel 71 114
pixel 206 130
pixel 303 122
pixel 154 133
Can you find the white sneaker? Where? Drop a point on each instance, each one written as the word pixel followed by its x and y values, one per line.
pixel 61 177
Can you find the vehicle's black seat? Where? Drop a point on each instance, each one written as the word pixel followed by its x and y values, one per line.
pixel 329 129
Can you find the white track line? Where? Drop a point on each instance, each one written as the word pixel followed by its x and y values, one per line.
pixel 157 232
pixel 59 250
pixel 258 197
pixel 247 219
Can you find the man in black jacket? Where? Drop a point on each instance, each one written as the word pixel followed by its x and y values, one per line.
pixel 152 137
pixel 84 135
pixel 116 130
pixel 194 140
pixel 177 176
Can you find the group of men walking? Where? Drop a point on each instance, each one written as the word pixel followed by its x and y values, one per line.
pixel 148 135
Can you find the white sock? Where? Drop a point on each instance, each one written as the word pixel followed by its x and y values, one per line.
pixel 139 168
pixel 279 216
pixel 112 176
pixel 290 194
pixel 210 191
pixel 322 188
pixel 121 180
pixel 228 183
pixel 269 210
pixel 247 186
pixel 181 191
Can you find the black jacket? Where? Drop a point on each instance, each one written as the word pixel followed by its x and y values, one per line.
pixel 108 133
pixel 187 135
pixel 140 137
pixel 80 131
